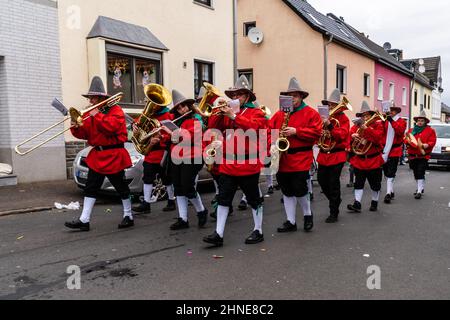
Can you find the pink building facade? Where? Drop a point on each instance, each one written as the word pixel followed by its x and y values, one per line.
pixel 391 84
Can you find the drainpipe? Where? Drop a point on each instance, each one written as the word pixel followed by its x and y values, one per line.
pixel 325 63
pixel 235 58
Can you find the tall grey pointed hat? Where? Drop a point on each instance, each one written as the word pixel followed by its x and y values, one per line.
pixel 423 115
pixel 335 97
pixel 178 99
pixel 364 108
pixel 294 86
pixel 242 84
pixel 97 89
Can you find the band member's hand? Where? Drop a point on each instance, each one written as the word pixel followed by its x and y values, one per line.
pixel 74 124
pixel 289 132
pixel 363 126
pixel 135 129
pixel 326 123
pixel 94 112
pixel 426 146
pixel 155 141
pixel 228 112
pixel 355 135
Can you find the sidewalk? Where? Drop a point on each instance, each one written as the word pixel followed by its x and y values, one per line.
pixel 40 196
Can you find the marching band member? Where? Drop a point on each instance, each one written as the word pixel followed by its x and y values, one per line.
pixel 395 129
pixel 153 166
pixel 303 130
pixel 185 167
pixel 367 166
pixel 332 162
pixel 419 150
pixel 106 132
pixel 241 166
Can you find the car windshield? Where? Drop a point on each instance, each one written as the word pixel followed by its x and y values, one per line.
pixel 442 132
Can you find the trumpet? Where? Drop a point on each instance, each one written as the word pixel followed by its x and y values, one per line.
pixel 75 116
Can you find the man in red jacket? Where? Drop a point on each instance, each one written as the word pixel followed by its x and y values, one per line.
pixel 394 130
pixel 106 132
pixel 154 165
pixel 419 151
pixel 241 165
pixel 332 162
pixel 303 130
pixel 367 166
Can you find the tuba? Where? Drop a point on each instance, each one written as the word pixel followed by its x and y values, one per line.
pixel 361 146
pixel 205 107
pixel 326 142
pixel 146 125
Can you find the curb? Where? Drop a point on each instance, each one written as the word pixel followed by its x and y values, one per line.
pixel 24 211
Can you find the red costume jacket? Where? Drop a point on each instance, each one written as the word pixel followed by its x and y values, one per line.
pixel 249 118
pixel 190 145
pixel 400 129
pixel 308 124
pixel 156 155
pixel 374 157
pixel 427 136
pixel 341 135
pixel 105 130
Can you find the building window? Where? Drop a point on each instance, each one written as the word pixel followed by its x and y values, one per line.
pixel 366 85
pixel 204 2
pixel 130 75
pixel 404 97
pixel 203 71
pixel 341 78
pixel 391 91
pixel 429 102
pixel 415 98
pixel 425 101
pixel 248 26
pixel 380 89
pixel 248 73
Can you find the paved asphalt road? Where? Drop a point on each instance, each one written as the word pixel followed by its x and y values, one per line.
pixel 408 240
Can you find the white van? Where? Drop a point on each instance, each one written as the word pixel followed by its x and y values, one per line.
pixel 441 152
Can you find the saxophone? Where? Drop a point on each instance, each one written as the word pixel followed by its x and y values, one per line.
pixel 281 145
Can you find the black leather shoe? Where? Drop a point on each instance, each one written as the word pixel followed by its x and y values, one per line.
pixel 243 205
pixel 179 225
pixel 170 206
pixel 309 223
pixel 392 195
pixel 142 208
pixel 202 218
pixel 374 206
pixel 418 196
pixel 388 199
pixel 356 207
pixel 78 225
pixel 332 219
pixel 214 239
pixel 254 238
pixel 287 227
pixel 126 223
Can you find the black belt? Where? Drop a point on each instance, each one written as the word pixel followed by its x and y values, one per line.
pixel 397 145
pixel 369 156
pixel 114 146
pixel 332 151
pixel 298 150
pixel 240 157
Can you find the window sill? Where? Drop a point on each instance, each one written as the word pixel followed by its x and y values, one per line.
pixel 203 5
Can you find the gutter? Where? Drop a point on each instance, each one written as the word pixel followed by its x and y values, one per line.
pixel 325 64
pixel 235 58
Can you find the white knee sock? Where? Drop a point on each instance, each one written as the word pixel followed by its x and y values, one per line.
pixel 269 181
pixel 375 196
pixel 390 185
pixel 216 185
pixel 127 209
pixel 358 195
pixel 258 218
pixel 420 186
pixel 148 189
pixel 87 209
pixel 290 205
pixel 222 216
pixel 183 208
pixel 198 204
pixel 305 204
pixel 170 192
pixel 310 187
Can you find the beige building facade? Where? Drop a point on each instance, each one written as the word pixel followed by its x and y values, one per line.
pixel 294 47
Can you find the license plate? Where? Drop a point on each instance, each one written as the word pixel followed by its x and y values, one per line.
pixel 437 149
pixel 82 174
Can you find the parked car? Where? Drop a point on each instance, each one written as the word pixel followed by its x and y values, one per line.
pixel 133 175
pixel 441 152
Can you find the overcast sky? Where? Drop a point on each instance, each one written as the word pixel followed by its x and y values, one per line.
pixel 418 27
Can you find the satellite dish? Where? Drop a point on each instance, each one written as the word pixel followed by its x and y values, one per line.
pixel 422 69
pixel 255 35
pixel 387 46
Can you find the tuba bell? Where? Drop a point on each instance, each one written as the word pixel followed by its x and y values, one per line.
pixel 326 142
pixel 205 106
pixel 158 97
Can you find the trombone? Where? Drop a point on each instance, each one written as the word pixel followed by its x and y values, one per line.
pixel 75 116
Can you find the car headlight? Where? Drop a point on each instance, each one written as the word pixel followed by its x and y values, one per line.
pixel 446 149
pixel 135 159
